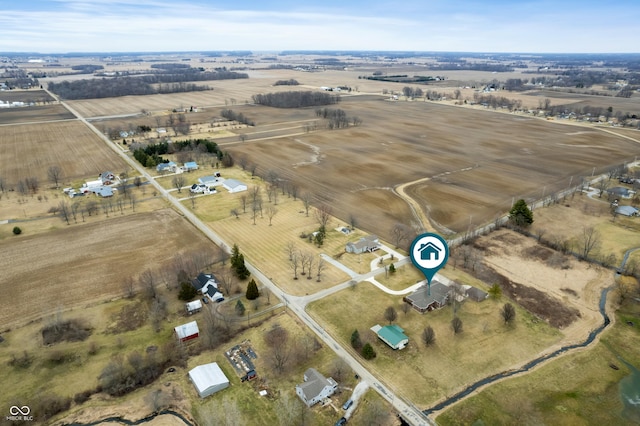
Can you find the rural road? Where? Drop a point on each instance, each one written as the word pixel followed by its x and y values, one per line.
pixel 297 305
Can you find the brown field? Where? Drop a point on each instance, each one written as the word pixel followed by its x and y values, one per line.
pixel 73 266
pixel 26 96
pixel 29 150
pixel 478 161
pixel 34 114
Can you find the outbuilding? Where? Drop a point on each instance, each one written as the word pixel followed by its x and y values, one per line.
pixel 234 186
pixel 208 379
pixel 188 331
pixel 193 307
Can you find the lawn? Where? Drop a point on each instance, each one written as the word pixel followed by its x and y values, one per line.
pixel 453 361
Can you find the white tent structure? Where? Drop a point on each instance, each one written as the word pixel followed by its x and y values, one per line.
pixel 208 379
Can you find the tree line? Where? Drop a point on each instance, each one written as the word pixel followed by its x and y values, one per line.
pixel 114 87
pixel 298 99
pixel 236 116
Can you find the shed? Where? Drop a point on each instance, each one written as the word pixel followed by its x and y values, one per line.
pixel 188 331
pixel 208 379
pixel 392 335
pixel 233 185
pixel 104 191
pixel 193 307
pixel 476 294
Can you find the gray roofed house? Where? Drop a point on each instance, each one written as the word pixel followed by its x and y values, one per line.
pixel 620 191
pixel 423 300
pixel 315 388
pixel 627 211
pixel 368 244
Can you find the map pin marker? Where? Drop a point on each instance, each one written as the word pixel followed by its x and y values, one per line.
pixel 429 252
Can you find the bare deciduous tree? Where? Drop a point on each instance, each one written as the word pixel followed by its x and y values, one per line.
pixel 390 314
pixel 271 212
pixel 277 339
pixel 54 173
pixel 590 239
pixel 320 268
pixel 178 182
pixel 428 336
pixel 306 201
pixel 323 215
pixel 400 233
pixel 456 325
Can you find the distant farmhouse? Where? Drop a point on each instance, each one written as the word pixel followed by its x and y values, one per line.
pixel 626 211
pixel 169 167
pixel 315 387
pixel 367 244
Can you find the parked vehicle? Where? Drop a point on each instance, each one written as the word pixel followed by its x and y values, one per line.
pixel 347 404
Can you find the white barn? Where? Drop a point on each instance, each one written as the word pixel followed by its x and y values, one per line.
pixel 208 379
pixel 233 185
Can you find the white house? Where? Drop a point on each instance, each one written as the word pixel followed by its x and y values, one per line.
pixel 368 244
pixel 234 186
pixel 315 388
pixel 208 379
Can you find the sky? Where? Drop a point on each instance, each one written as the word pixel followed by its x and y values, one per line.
pixel 535 26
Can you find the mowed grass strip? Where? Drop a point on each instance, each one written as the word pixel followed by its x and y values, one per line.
pixel 266 246
pixel 426 375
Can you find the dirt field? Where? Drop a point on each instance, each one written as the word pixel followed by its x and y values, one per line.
pixel 29 150
pixel 34 114
pixel 25 96
pixel 86 264
pixel 478 161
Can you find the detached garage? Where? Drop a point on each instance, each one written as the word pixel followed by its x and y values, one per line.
pixel 233 185
pixel 208 379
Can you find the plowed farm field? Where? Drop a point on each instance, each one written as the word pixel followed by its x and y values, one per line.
pixel 79 265
pixel 28 150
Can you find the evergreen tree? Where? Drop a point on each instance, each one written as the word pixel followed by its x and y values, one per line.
pixel 392 269
pixel 252 290
pixel 235 255
pixel 368 352
pixel 240 308
pixel 355 340
pixel 241 270
pixel 187 292
pixel 520 214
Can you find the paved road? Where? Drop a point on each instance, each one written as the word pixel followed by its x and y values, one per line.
pixel 296 304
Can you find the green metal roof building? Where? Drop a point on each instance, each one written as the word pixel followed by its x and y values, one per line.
pixel 392 335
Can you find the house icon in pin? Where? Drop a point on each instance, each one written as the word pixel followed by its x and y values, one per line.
pixel 429 251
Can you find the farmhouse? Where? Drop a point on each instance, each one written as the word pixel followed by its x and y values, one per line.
pixel 188 331
pixel 234 186
pixel 392 335
pixel 627 211
pixel 366 244
pixel 208 379
pixel 620 191
pixel 193 307
pixel 315 387
pixel 103 191
pixel 208 286
pixel 428 299
pixel 107 178
pixel 169 167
